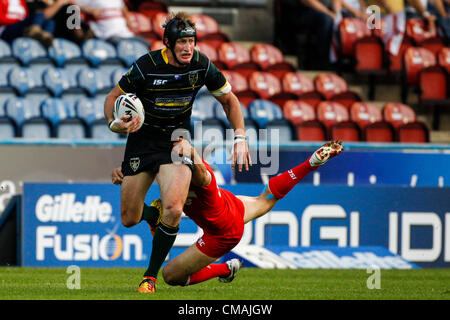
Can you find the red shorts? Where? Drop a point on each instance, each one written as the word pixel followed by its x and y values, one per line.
pixel 217 245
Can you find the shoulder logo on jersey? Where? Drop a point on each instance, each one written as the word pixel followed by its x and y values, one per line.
pixel 193 77
pixel 134 163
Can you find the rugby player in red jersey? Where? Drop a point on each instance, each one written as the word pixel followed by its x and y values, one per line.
pixel 222 216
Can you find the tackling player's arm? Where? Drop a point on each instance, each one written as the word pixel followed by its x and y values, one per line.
pixel 200 175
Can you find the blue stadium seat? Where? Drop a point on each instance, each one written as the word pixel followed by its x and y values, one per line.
pixel 92 81
pixel 4 70
pixel 19 109
pixel 36 128
pixel 129 50
pixel 89 109
pixel 210 131
pixel 220 114
pixel 27 116
pixel 63 118
pixel 203 108
pixel 263 111
pixel 117 74
pixel 6 55
pixel 4 96
pixel 20 79
pixel 72 129
pixel 100 54
pixel 280 129
pixel 100 131
pixel 55 110
pixel 57 81
pixel 8 128
pixel 23 80
pixel 27 50
pixel 63 51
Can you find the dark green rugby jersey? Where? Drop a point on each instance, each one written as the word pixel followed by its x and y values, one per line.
pixel 168 92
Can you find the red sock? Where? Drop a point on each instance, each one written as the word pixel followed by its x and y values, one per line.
pixel 283 183
pixel 209 272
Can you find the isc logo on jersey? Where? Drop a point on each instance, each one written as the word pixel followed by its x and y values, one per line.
pixel 159 82
pixel 80 247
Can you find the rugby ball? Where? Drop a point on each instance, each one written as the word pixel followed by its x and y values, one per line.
pixel 129 104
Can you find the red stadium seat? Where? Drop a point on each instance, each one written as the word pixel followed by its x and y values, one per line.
pixel 150 8
pixel 444 58
pixel 236 57
pixel 398 114
pixel 370 120
pixel 369 55
pixel 434 91
pixel 265 84
pixel 142 26
pixel 329 113
pixel 240 88
pixel 329 84
pixel 156 45
pixel 211 53
pixel 346 98
pixel 365 113
pixel 351 30
pixel 414 60
pixel 270 59
pixel 396 62
pixel 424 35
pixel 380 131
pixel 208 30
pixel 347 131
pixel 297 83
pixel 302 86
pixel 312 130
pixel 413 132
pixel 298 112
pixel 158 20
pixel 433 84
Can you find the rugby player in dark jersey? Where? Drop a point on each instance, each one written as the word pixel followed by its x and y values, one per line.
pixel 167 81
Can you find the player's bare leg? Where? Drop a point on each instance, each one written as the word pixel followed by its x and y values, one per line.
pixel 280 185
pixel 192 266
pixel 132 197
pixel 174 181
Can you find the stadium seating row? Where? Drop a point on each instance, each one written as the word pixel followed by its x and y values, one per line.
pixel 20 117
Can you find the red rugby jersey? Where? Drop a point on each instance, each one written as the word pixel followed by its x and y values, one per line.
pixel 212 208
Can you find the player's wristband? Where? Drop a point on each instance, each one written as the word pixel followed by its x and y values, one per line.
pixel 238 138
pixel 426 14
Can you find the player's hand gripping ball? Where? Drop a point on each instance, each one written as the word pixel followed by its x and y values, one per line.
pixel 129 104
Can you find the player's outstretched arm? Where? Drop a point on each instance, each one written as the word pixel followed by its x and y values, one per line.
pixel 232 108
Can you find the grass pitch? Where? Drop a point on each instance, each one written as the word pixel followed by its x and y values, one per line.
pixel 18 283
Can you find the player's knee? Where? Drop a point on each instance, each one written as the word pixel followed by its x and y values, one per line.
pixel 171 278
pixel 129 219
pixel 172 213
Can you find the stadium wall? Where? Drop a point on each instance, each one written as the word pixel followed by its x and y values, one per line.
pixel 64 224
pixel 393 196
